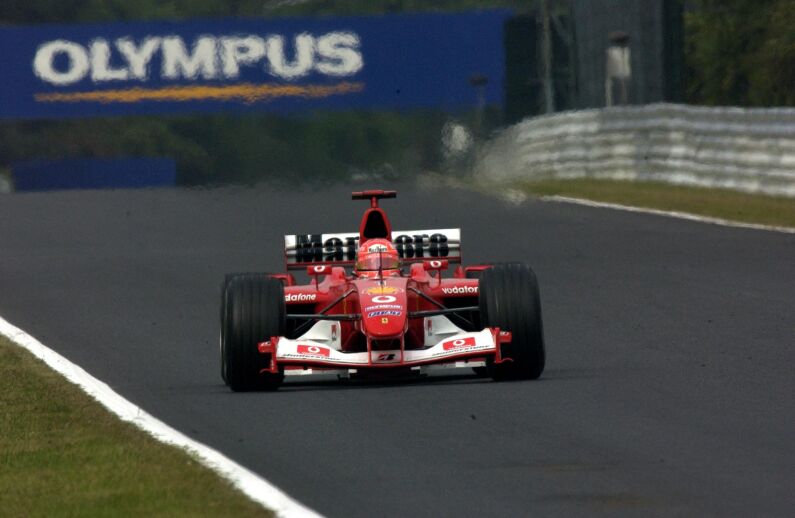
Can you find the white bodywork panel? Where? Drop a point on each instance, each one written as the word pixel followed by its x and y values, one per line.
pixel 438 328
pixel 325 333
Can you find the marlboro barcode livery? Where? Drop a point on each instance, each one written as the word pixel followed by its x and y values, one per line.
pixel 378 304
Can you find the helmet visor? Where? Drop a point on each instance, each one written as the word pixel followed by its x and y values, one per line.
pixel 377 261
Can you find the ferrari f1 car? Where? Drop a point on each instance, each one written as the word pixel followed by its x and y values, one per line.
pixel 378 305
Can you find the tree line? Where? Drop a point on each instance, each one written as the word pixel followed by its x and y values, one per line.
pixel 740 52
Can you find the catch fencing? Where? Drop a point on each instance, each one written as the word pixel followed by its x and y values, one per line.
pixel 750 150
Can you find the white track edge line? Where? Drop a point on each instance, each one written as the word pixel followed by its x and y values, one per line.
pixel 670 214
pixel 252 485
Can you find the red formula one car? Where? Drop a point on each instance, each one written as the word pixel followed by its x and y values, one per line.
pixel 392 313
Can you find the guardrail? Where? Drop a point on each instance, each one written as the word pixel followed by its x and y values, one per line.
pixel 751 150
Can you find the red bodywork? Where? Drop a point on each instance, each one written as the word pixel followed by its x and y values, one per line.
pixel 388 317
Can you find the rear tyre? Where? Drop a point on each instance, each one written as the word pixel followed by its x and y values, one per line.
pixel 509 299
pixel 252 311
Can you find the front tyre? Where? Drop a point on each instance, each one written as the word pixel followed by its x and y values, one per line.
pixel 252 311
pixel 509 299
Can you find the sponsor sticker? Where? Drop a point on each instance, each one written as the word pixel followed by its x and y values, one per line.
pixel 313 350
pixel 381 290
pixel 384 313
pixel 383 306
pixel 461 290
pixel 300 297
pixel 459 343
pixel 377 248
pixel 384 299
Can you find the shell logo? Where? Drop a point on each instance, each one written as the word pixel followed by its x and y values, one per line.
pixel 381 290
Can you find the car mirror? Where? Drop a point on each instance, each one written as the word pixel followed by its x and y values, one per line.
pixel 435 265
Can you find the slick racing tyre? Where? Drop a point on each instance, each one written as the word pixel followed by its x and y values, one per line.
pixel 509 299
pixel 252 311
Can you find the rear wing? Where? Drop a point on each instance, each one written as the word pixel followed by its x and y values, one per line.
pixel 302 250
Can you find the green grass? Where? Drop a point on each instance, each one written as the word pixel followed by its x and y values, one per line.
pixel 5 179
pixel 716 203
pixel 63 454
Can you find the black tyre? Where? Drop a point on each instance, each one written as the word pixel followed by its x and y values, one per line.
pixel 252 310
pixel 222 306
pixel 476 274
pixel 509 299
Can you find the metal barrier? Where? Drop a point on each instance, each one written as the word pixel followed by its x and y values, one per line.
pixel 750 150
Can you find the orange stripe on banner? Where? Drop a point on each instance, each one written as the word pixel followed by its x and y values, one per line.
pixel 246 92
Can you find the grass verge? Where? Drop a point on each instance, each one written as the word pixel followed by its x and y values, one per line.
pixel 5 180
pixel 63 454
pixel 716 203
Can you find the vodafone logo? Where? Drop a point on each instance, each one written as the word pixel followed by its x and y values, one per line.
pixel 383 299
pixel 458 343
pixel 435 264
pixel 461 290
pixel 300 297
pixel 313 350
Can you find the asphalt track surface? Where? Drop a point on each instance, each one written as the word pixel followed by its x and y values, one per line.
pixel 669 387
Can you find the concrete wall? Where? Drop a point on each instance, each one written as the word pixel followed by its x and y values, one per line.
pixel 750 150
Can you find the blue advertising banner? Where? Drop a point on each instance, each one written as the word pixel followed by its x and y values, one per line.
pixel 285 64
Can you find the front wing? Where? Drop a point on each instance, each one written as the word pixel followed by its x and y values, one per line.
pixel 318 355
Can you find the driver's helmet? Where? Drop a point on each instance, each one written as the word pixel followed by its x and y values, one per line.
pixel 377 254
